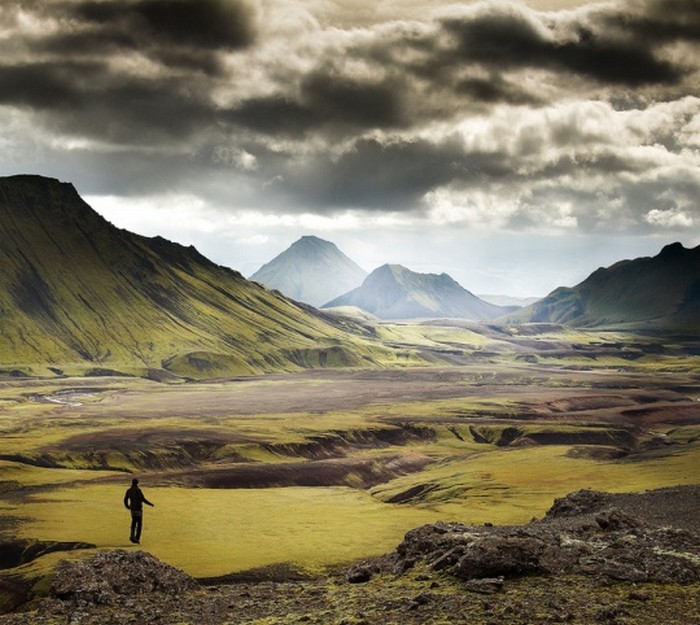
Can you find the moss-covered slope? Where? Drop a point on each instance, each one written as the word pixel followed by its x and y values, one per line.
pixel 662 292
pixel 78 295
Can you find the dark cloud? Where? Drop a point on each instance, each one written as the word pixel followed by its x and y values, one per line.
pixel 186 34
pixel 657 21
pixel 83 98
pixel 341 99
pixel 56 85
pixel 273 115
pixel 510 40
pixel 378 176
pixel 212 97
pixel 212 24
pixel 327 101
pixel 493 90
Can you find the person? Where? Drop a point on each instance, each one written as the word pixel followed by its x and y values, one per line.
pixel 134 500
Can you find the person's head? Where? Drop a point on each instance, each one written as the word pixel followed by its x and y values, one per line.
pixel 134 482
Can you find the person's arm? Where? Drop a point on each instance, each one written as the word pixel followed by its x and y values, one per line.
pixel 126 501
pixel 148 503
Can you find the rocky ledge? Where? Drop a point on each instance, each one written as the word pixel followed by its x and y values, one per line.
pixel 582 534
pixel 594 558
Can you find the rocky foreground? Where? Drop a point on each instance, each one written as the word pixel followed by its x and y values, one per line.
pixel 594 558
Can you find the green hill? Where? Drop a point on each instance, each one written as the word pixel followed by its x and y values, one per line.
pixel 661 293
pixel 80 296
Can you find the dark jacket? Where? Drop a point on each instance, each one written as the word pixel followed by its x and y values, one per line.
pixel 134 499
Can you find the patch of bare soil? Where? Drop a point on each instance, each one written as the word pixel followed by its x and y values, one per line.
pixel 671 414
pixel 355 472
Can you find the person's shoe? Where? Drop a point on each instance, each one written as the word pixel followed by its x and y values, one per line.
pixel 133 540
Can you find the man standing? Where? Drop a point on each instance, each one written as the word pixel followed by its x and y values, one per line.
pixel 134 500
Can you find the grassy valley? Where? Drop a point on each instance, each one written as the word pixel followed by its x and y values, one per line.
pixel 317 468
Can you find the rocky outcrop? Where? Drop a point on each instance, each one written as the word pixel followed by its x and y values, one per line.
pixel 575 537
pixel 108 577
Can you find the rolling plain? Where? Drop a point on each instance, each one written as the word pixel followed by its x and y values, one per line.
pixel 318 468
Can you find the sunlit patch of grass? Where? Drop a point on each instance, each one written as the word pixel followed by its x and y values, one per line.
pixel 436 337
pixel 28 475
pixel 512 486
pixel 213 532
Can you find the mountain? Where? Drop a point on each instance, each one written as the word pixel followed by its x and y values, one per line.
pixel 661 292
pixel 311 270
pixel 394 292
pixel 78 295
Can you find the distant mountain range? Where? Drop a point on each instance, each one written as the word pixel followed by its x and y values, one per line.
pixel 394 292
pixel 315 271
pixel 662 293
pixel 78 295
pixel 311 270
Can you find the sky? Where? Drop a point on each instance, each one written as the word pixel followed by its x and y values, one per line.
pixel 515 146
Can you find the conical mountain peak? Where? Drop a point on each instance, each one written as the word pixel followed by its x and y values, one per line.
pixel 311 270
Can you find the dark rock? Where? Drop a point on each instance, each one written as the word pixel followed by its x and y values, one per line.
pixel 494 556
pixel 358 574
pixel 486 586
pixel 580 534
pixel 109 575
pixel 575 504
pixel 613 521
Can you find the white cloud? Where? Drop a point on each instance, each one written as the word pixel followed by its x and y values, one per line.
pixel 176 215
pixel 671 218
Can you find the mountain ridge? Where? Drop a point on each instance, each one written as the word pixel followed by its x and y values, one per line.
pixel 661 291
pixel 78 294
pixel 395 292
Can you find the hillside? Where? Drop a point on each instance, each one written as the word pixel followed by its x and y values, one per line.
pixel 78 295
pixel 661 292
pixel 394 292
pixel 311 270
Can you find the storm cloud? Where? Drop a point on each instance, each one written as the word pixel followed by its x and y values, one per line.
pixel 488 115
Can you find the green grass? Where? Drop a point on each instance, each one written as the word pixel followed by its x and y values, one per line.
pixel 214 532
pixel 512 486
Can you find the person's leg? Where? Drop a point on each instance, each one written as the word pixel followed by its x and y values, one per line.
pixel 134 521
pixel 139 524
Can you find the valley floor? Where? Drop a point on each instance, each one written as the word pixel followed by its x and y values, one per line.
pixel 325 467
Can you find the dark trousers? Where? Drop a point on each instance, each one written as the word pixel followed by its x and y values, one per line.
pixel 136 524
